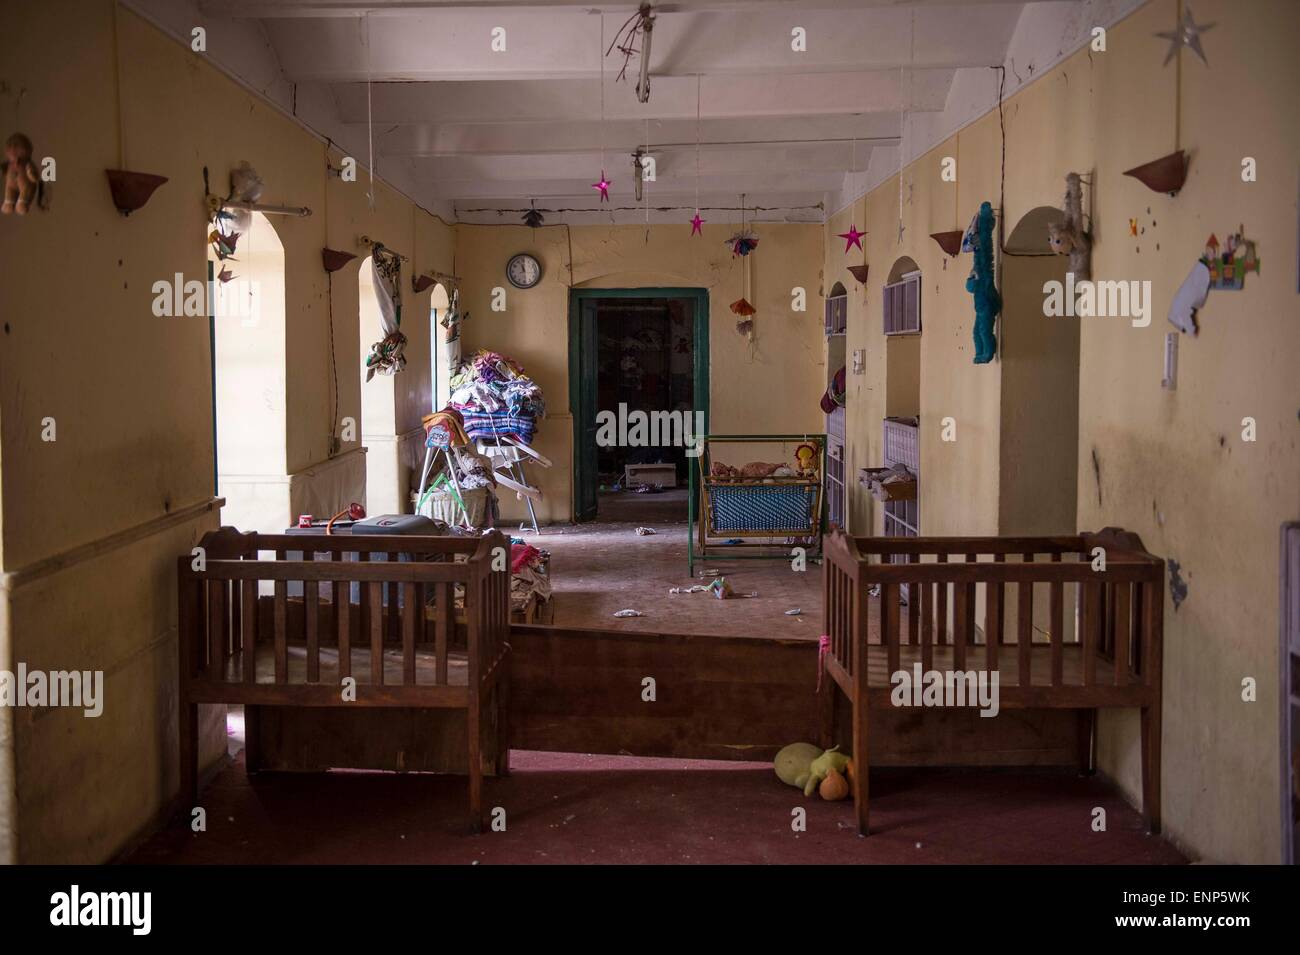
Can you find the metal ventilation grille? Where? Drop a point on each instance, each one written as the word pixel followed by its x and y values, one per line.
pixel 902 306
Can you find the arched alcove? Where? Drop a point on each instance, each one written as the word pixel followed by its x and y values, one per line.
pixel 903 265
pixel 440 349
pixel 1039 355
pixel 1029 237
pixel 249 364
pixel 903 351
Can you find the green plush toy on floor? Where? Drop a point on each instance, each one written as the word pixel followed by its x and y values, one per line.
pixel 805 766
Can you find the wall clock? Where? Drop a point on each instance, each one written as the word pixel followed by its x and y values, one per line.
pixel 523 270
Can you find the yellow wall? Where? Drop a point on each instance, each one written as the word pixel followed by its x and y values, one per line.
pixel 774 390
pixel 130 392
pixel 131 395
pixel 1173 466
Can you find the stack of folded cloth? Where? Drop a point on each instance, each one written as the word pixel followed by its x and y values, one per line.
pixel 496 399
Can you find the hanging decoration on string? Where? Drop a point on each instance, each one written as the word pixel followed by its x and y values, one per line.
pixel 853 236
pixel 1186 34
pixel 222 237
pixel 532 218
pixel 602 186
pixel 696 221
pixel 745 241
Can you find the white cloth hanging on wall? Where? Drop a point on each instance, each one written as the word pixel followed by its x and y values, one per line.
pixel 386 356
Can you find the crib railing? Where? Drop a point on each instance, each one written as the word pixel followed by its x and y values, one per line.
pixel 931 588
pixel 389 602
pixel 1064 622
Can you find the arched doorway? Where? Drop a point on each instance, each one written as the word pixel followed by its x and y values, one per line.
pixel 378 405
pixel 249 361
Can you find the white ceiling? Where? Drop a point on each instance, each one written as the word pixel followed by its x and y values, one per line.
pixel 462 127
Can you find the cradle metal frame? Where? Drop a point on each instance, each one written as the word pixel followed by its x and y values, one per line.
pixel 705 537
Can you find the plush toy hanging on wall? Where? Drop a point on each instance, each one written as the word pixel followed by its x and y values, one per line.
pixel 21 180
pixel 1070 237
pixel 980 284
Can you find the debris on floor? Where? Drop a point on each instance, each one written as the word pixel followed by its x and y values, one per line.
pixel 795 612
pixel 696 589
pixel 723 590
pixel 645 531
pixel 629 613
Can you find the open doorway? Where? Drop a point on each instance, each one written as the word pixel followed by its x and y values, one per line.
pixel 247 329
pixel 639 380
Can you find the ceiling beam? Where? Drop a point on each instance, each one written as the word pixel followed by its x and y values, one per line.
pixel 550 101
pixel 567 43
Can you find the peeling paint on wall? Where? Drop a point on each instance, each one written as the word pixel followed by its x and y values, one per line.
pixel 1177 586
pixel 1096 473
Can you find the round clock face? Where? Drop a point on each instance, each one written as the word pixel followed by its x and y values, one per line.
pixel 524 271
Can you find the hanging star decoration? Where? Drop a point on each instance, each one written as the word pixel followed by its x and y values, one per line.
pixel 603 186
pixel 1188 34
pixel 901 230
pixel 696 222
pixel 851 238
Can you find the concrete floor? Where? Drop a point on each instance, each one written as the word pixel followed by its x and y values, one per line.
pixel 567 808
pixel 600 568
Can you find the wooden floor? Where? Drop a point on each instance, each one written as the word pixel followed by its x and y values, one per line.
pixel 425 666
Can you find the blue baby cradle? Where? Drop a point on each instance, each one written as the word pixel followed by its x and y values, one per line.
pixel 731 517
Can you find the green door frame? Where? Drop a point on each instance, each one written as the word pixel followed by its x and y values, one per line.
pixel 582 377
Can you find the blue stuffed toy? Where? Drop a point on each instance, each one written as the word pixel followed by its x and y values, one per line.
pixel 980 284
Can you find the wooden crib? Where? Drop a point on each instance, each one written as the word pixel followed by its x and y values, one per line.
pixel 1103 648
pixel 275 632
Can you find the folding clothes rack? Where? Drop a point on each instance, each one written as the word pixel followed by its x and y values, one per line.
pixel 508 457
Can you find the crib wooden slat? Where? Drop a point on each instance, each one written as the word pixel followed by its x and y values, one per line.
pixel 941 616
pixel 959 596
pixel 1091 621
pixel 1056 607
pixel 248 628
pixel 364 597
pixel 913 605
pixel 992 624
pixel 216 627
pixel 311 616
pixel 392 626
pixel 281 639
pixel 343 625
pixel 927 627
pixel 971 640
pixel 442 629
pixel 1153 617
pixel 1122 633
pixel 375 594
pixel 410 609
pixel 1025 631
pixel 889 634
pixel 1001 589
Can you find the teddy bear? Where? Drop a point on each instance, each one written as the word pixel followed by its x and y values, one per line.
pixel 1069 236
pixel 20 175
